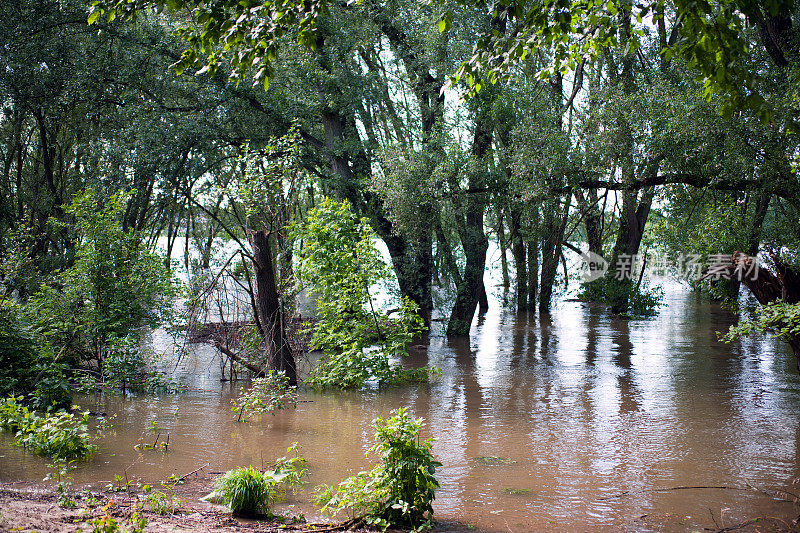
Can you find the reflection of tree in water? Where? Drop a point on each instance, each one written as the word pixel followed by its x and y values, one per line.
pixel 592 323
pixel 548 343
pixel 628 392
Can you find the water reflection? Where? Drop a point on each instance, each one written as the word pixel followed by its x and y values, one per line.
pixel 579 408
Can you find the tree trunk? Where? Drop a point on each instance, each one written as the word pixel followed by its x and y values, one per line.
pixel 518 251
pixel 270 309
pixel 501 240
pixel 471 230
pixel 553 231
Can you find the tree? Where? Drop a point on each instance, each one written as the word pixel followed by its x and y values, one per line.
pixel 115 288
pixel 719 40
pixel 339 263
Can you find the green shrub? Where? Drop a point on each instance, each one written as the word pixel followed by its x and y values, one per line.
pixel 18 353
pixel 399 492
pixel 127 369
pixel 339 262
pixel 249 492
pixel 266 395
pixel 60 435
pixel 115 289
pixel 643 301
pixel 777 318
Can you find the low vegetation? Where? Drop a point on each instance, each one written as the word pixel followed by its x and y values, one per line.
pixel 397 493
pixel 251 492
pixel 266 395
pixel 61 435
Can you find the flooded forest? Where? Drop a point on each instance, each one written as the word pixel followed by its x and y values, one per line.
pixel 393 265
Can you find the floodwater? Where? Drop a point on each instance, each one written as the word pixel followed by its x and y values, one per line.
pixel 576 422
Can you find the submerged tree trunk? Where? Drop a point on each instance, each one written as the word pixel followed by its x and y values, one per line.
pixel 501 240
pixel 553 232
pixel 474 242
pixel 520 265
pixel 270 309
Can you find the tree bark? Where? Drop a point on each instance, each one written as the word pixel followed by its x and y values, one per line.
pixel 270 309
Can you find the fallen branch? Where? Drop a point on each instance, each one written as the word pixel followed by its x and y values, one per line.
pixel 239 359
pixel 349 524
pixel 192 472
pixel 668 489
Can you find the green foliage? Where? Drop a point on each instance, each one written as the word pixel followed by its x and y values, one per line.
pixel 126 368
pixel 64 495
pixel 135 523
pixel 399 492
pixel 643 301
pixel 713 41
pixel 229 29
pixel 339 262
pixel 98 307
pixel 27 366
pixel 161 502
pixel 266 395
pixel 777 318
pixel 249 492
pixel 18 350
pixel 62 436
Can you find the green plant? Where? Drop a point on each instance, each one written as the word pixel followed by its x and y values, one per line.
pixel 777 318
pixel 339 262
pixel 108 524
pixel 249 492
pixel 643 300
pixel 18 355
pixel 60 435
pixel 266 395
pixel 160 502
pixel 98 307
pixel 119 484
pixel 64 495
pixel 400 491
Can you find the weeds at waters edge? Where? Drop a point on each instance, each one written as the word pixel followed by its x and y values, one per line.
pixel 61 435
pixel 250 492
pixel 397 493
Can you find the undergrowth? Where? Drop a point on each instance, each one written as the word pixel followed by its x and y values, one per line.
pixel 250 492
pixel 397 493
pixel 60 435
pixel 266 395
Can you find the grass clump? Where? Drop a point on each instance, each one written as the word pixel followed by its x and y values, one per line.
pixel 60 435
pixel 250 492
pixel 397 493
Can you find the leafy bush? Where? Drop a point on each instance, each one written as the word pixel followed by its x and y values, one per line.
pixel 643 301
pixel 115 288
pixel 399 492
pixel 126 368
pixel 18 353
pixel 249 492
pixel 266 395
pixel 62 436
pixel 777 318
pixel 339 262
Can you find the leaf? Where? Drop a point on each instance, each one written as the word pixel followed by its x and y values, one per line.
pixel 94 15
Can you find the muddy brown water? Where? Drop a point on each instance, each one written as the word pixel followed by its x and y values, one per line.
pixel 577 422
